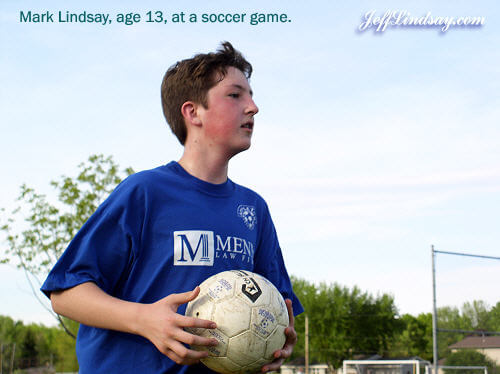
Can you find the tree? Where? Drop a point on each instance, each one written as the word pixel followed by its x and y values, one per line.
pixel 477 315
pixel 37 231
pixel 344 322
pixel 35 345
pixel 415 338
pixel 469 357
pixel 473 316
pixel 495 318
pixel 28 350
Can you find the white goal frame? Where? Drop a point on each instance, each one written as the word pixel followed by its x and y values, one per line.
pixel 484 368
pixel 416 363
pixel 427 365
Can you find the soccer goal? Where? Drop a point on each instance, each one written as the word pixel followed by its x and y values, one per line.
pixel 386 367
pixel 459 369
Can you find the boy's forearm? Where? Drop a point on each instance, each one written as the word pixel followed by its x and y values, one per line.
pixel 88 304
pixel 158 322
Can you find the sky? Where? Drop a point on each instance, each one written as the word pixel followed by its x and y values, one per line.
pixel 369 146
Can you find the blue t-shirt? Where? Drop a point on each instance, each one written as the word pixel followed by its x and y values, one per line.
pixel 163 231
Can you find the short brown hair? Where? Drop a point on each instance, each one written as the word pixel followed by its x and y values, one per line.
pixel 190 80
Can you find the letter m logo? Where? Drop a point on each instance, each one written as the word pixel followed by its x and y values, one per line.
pixel 193 248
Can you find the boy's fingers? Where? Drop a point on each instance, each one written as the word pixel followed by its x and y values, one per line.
pixel 183 298
pixel 184 356
pixel 291 336
pixel 289 307
pixel 275 365
pixel 194 293
pixel 286 351
pixel 184 321
pixel 191 339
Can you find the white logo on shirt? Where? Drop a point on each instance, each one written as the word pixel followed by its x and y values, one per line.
pixel 200 247
pixel 247 213
pixel 193 247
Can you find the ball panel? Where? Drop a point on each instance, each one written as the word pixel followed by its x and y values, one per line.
pixel 202 307
pixel 246 348
pixel 279 303
pixel 255 367
pixel 229 318
pixel 216 351
pixel 220 288
pixel 264 321
pixel 221 365
pixel 221 348
pixel 275 341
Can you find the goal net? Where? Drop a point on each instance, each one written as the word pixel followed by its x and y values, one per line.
pixel 386 367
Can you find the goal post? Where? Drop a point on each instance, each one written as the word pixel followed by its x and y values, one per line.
pixel 385 367
pixel 435 328
pixel 482 368
pixel 401 367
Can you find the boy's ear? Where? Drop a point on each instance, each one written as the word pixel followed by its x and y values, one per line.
pixel 189 111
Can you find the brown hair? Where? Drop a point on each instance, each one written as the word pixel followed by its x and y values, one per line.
pixel 190 80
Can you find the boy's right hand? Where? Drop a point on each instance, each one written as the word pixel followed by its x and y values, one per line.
pixel 164 327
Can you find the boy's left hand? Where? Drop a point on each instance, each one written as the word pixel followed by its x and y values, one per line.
pixel 291 338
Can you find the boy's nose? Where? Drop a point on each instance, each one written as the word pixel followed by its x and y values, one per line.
pixel 252 107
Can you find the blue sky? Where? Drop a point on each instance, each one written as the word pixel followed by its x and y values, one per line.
pixel 368 147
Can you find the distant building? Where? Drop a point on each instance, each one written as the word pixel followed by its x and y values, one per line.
pixel 487 345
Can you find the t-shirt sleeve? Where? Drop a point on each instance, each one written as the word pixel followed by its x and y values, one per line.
pixel 269 261
pixel 104 249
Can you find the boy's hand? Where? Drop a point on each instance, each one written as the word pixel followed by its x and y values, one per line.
pixel 291 339
pixel 163 326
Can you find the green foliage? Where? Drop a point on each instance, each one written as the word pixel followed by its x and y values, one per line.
pixel 346 323
pixel 494 318
pixel 35 345
pixel 473 316
pixel 469 357
pixel 38 231
pixel 29 349
pixel 415 338
pixel 343 322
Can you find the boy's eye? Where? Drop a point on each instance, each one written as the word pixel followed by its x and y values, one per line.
pixel 234 95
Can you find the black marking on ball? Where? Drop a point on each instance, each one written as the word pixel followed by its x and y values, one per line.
pixel 240 273
pixel 251 289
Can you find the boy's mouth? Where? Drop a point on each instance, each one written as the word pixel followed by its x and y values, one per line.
pixel 248 125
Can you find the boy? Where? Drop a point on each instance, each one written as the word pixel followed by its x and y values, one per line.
pixel 129 272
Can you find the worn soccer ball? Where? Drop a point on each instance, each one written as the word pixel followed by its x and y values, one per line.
pixel 251 318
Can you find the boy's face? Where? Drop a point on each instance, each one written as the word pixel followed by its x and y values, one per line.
pixel 227 121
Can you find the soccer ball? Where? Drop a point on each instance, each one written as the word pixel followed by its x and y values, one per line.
pixel 251 318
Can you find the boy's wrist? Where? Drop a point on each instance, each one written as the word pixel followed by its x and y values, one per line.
pixel 136 322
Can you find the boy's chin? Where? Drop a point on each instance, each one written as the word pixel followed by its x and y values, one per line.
pixel 240 149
